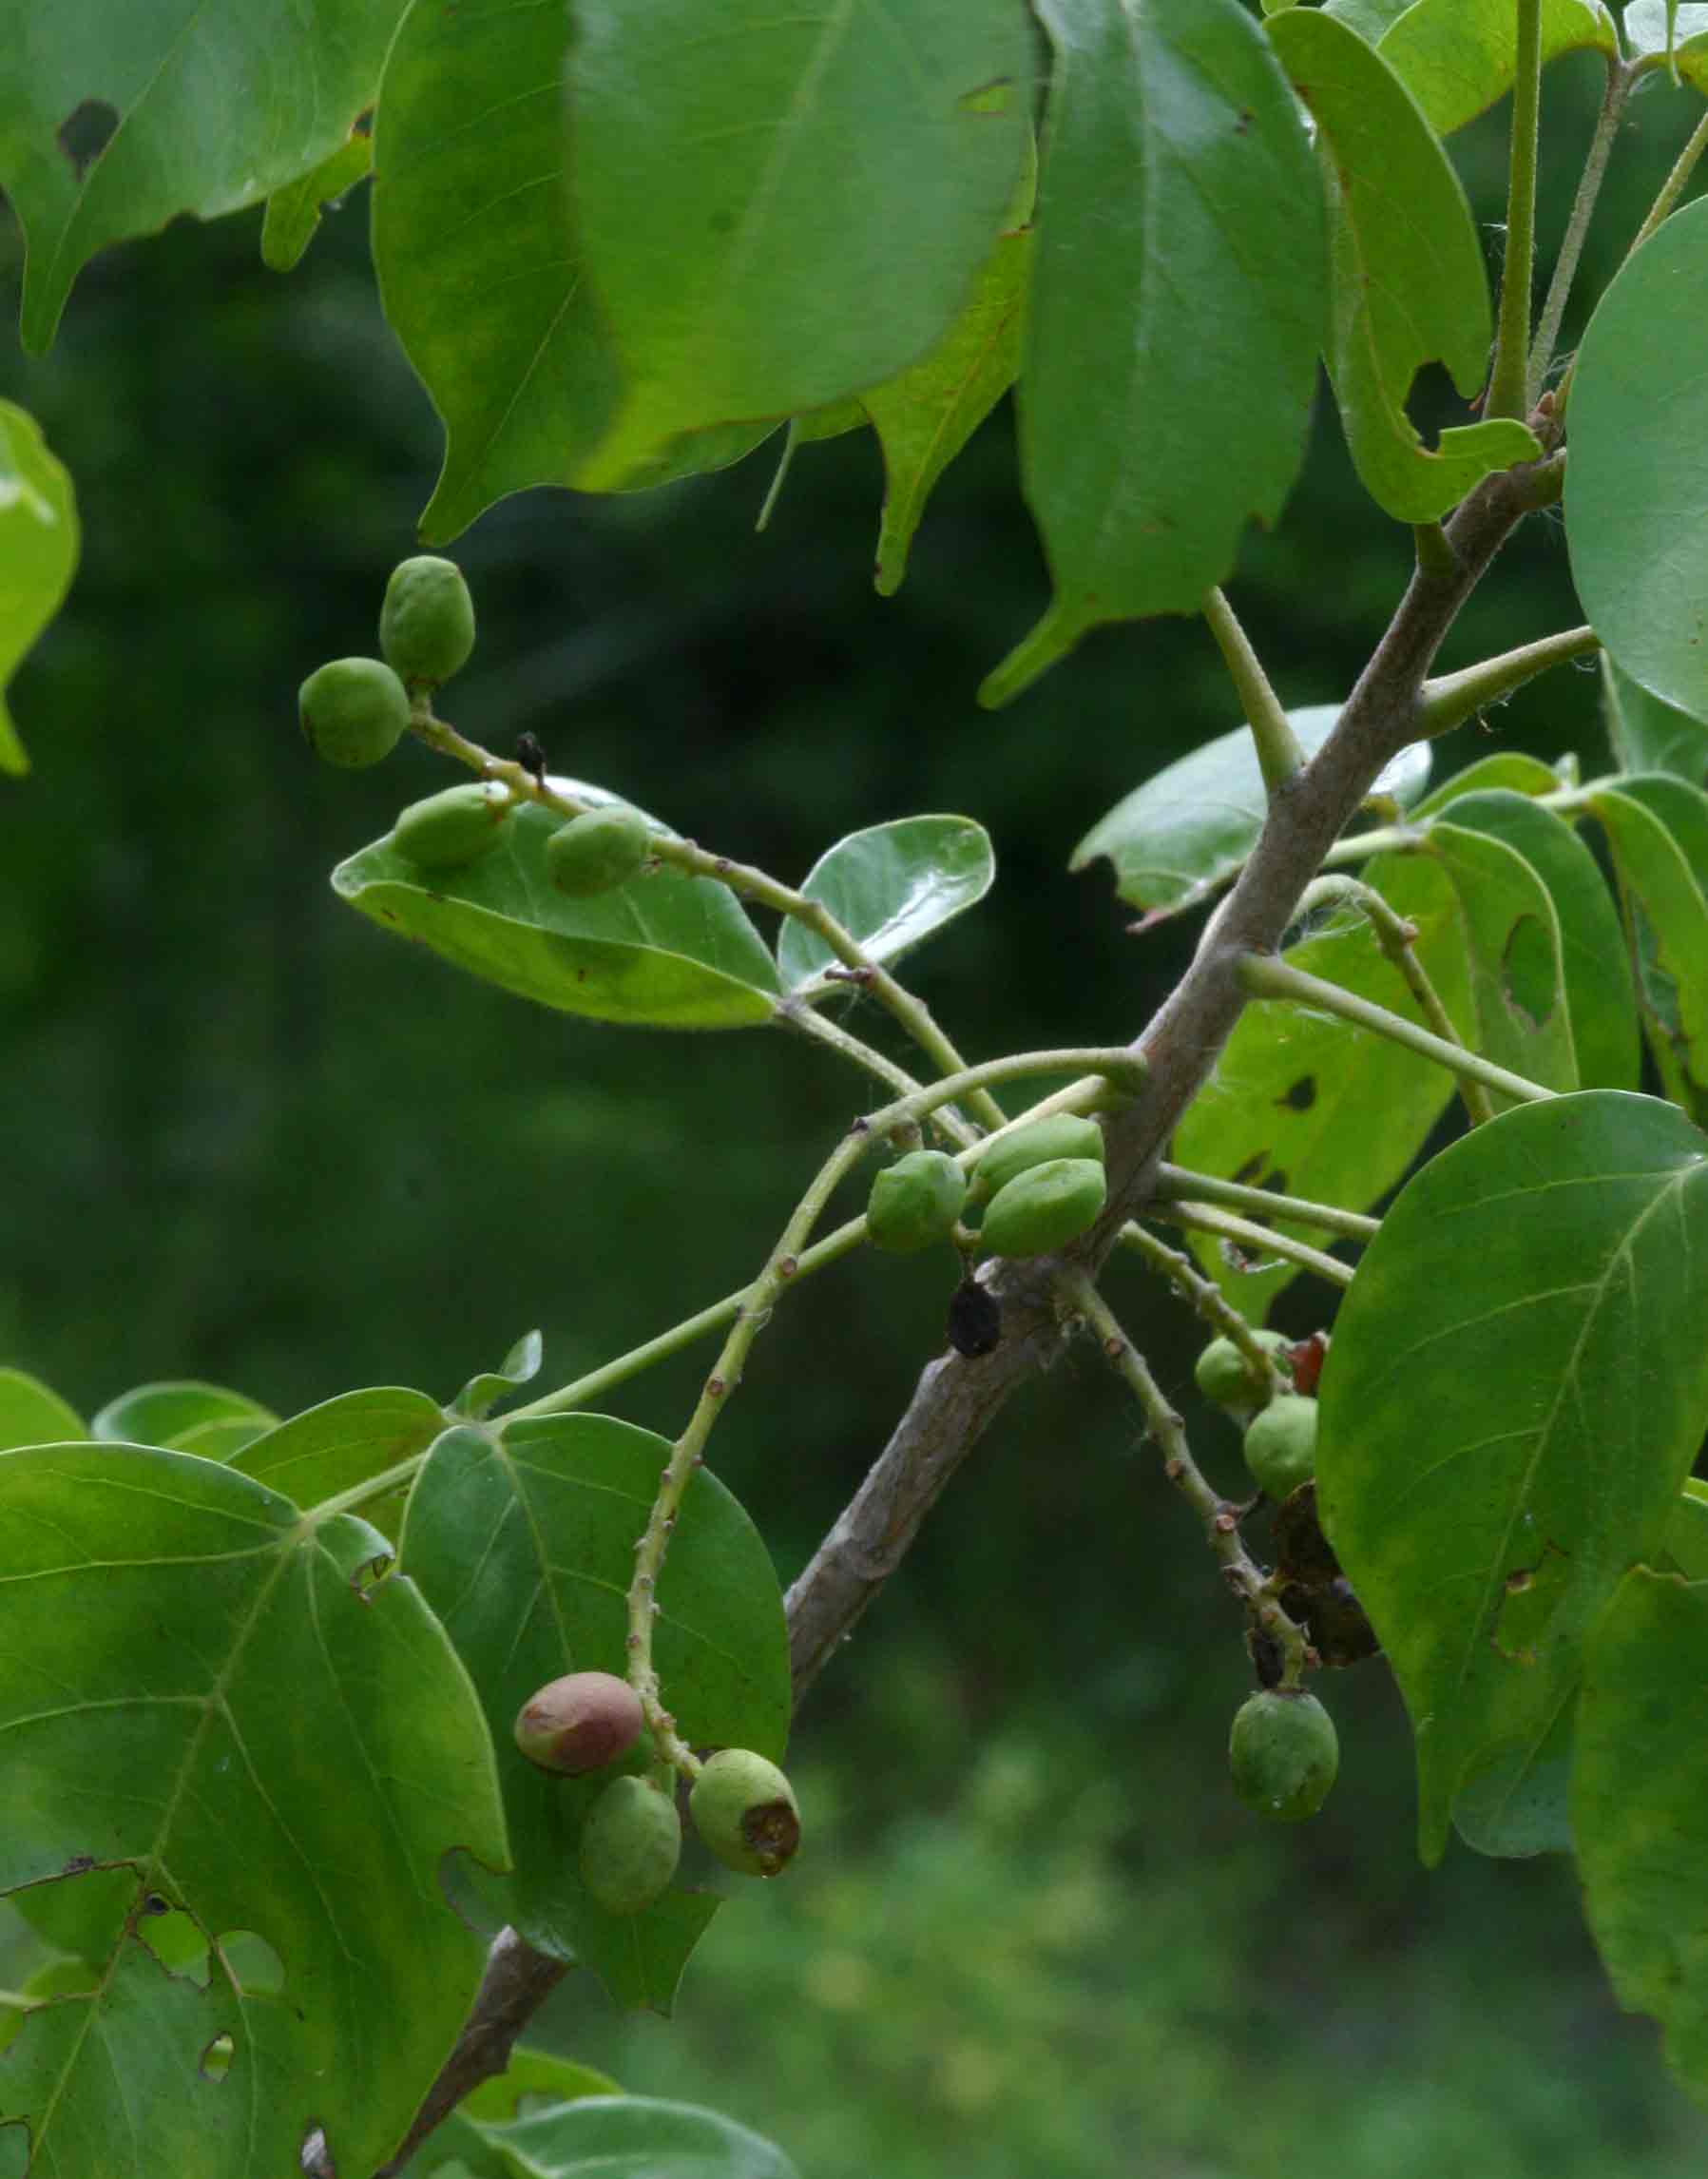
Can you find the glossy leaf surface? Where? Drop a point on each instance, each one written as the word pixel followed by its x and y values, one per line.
pixel 1636 503
pixel 1648 735
pixel 230 1708
pixel 523 1539
pixel 342 1442
pixel 1667 933
pixel 33 1414
pixel 165 1412
pixel 1167 373
pixel 889 886
pixel 38 552
pixel 1515 1393
pixel 1509 768
pixel 1457 57
pixel 663 952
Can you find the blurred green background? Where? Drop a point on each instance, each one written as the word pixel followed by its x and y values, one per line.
pixel 244 1136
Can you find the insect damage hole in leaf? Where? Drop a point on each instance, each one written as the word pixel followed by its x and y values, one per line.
pixel 86 132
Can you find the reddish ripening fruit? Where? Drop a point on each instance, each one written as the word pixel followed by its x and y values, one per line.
pixel 578 1723
pixel 743 1807
pixel 630 1844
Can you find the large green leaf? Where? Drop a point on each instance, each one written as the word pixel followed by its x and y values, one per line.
pixel 1635 502
pixel 744 179
pixel 610 2137
pixel 33 1414
pixel 1408 281
pixel 1649 735
pixel 1168 366
pixel 663 952
pixel 1190 827
pixel 234 1711
pixel 480 270
pixel 1517 1387
pixel 523 1539
pixel 114 120
pixel 1457 57
pixel 1510 934
pixel 1666 931
pixel 1592 950
pixel 1640 1806
pixel 889 886
pixel 342 1442
pixel 1287 1105
pixel 38 552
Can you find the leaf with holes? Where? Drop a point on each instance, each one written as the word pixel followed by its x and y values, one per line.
pixel 522 1538
pixel 1510 934
pixel 267 1712
pixel 889 886
pixel 1517 1388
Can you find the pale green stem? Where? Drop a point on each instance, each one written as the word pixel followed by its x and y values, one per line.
pixel 1264 976
pixel 1506 380
pixel 1435 556
pixel 1450 699
pixel 1201 1218
pixel 1614 94
pixel 1220 1521
pixel 1279 755
pixel 1176 1182
pixel 1208 1301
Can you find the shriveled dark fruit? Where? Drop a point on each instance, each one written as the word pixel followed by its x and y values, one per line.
pixel 1061 1135
pixel 743 1807
pixel 458 825
pixel 974 1319
pixel 1283 1752
pixel 578 1723
pixel 1280 1444
pixel 631 1841
pixel 427 621
pixel 914 1202
pixel 1044 1207
pixel 597 852
pixel 1221 1374
pixel 353 711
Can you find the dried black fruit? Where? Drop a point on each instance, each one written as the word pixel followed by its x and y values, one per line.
pixel 974 1319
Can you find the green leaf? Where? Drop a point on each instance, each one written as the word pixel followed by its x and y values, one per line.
pixel 1640 1806
pixel 466 2138
pixel 1370 18
pixel 1636 511
pixel 1592 949
pixel 1667 933
pixel 1517 1387
pixel 623 2138
pixel 38 552
pixel 342 1442
pixel 1287 1105
pixel 1190 827
pixel 32 1413
pixel 1681 808
pixel 1167 374
pixel 480 270
pixel 522 1538
pixel 162 1414
pixel 1510 934
pixel 1407 283
pixel 1655 27
pixel 1509 768
pixel 889 886
pixel 1458 57
pixel 114 121
pixel 230 1708
pixel 1649 735
pixel 742 179
pixel 926 415
pixel 294 213
pixel 519 1367
pixel 664 951
pixel 1687 1531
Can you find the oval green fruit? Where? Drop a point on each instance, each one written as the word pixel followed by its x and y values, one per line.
pixel 1283 1752
pixel 1280 1444
pixel 1061 1135
pixel 426 622
pixel 597 852
pixel 1221 1373
pixel 578 1723
pixel 353 711
pixel 744 1809
pixel 1044 1207
pixel 915 1202
pixel 630 1842
pixel 454 826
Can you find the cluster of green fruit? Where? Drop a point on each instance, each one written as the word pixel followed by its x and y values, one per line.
pixel 631 1840
pixel 355 710
pixel 1043 1185
pixel 1280 1427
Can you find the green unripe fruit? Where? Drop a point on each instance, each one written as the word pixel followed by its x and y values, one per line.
pixel 630 1844
pixel 1222 1375
pixel 1283 1752
pixel 426 622
pixel 743 1807
pixel 1280 1444
pixel 1062 1135
pixel 578 1723
pixel 914 1202
pixel 597 852
pixel 353 711
pixel 454 826
pixel 1043 1207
